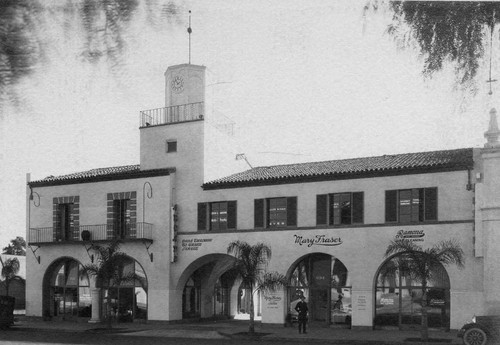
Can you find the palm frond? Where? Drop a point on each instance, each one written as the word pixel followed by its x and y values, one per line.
pixel 271 282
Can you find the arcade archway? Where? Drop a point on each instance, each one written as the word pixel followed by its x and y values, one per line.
pixel 129 297
pixel 66 290
pixel 324 281
pixel 398 298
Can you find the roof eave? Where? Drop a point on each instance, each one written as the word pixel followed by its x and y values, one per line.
pixel 103 178
pixel 338 176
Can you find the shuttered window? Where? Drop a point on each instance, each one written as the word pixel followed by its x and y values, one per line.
pixel 217 216
pixel 275 212
pixel 411 205
pixel 340 208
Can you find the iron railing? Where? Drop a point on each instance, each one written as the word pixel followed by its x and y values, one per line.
pixel 173 114
pixel 100 232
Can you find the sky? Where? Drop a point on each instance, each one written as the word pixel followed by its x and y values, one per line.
pixel 302 81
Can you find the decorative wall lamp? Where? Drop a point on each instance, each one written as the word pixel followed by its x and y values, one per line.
pixel 149 194
pixel 35 198
pixel 145 194
pixel 36 201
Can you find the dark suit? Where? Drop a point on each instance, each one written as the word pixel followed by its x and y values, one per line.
pixel 302 309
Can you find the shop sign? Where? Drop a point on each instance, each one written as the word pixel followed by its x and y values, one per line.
pixel 174 229
pixel 412 235
pixel 272 301
pixel 361 302
pixel 387 301
pixel 436 302
pixel 194 243
pixel 317 240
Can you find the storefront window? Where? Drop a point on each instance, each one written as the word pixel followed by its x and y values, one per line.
pixel 399 298
pixel 324 282
pixel 191 297
pixel 69 291
pixel 127 298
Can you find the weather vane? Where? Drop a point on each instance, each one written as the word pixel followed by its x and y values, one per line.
pixel 189 30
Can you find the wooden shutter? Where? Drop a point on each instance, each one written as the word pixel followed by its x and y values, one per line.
pixel 321 209
pixel 357 207
pixel 291 211
pixel 202 215
pixel 231 214
pixel 391 205
pixel 259 213
pixel 430 201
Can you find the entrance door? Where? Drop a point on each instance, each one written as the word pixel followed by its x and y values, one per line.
pixel 319 305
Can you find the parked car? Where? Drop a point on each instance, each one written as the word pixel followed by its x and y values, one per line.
pixel 481 330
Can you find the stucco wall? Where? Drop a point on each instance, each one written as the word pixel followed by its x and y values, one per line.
pixel 92 212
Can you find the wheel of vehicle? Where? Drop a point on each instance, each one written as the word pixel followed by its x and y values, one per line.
pixel 475 336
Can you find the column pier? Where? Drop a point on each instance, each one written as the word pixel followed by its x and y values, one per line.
pixel 96 305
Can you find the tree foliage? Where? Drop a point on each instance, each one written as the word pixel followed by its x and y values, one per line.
pixel 17 246
pixel 24 44
pixel 109 270
pixel 419 264
pixel 10 269
pixel 447 32
pixel 251 266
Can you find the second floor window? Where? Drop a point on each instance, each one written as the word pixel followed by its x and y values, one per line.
pixel 340 208
pixel 275 212
pixel 121 218
pixel 65 219
pixel 217 215
pixel 411 205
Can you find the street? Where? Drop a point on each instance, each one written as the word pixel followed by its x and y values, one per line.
pixel 20 337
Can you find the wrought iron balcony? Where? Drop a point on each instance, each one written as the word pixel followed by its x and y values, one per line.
pixel 94 233
pixel 173 114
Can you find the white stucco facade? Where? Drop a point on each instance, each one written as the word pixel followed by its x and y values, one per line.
pixel 185 274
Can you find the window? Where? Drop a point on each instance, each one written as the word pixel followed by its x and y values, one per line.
pixel 121 217
pixel 411 205
pixel 65 221
pixel 275 212
pixel 340 208
pixel 217 215
pixel 171 146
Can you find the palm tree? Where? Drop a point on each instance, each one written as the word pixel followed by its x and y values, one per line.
pixel 250 265
pixel 10 268
pixel 109 270
pixel 419 264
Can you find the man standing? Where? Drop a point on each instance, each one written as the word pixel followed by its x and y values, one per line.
pixel 302 309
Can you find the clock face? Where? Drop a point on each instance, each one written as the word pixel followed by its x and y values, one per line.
pixel 177 84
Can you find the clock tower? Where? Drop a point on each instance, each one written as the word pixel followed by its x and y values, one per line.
pixel 184 84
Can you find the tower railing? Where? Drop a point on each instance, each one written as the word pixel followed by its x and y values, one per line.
pixel 172 114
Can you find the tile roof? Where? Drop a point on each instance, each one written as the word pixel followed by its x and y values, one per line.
pixel 420 162
pixel 101 174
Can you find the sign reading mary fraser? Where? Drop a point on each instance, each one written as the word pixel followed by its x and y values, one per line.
pixel 317 240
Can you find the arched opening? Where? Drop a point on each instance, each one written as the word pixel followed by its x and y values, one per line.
pixel 222 294
pixel 191 296
pixel 126 300
pixel 66 290
pixel 398 298
pixel 207 288
pixel 325 283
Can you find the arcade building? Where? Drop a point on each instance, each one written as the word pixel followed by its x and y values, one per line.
pixel 328 224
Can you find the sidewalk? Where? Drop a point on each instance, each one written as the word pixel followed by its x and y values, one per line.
pixel 236 329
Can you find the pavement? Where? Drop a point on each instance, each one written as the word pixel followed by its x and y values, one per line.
pixel 236 329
